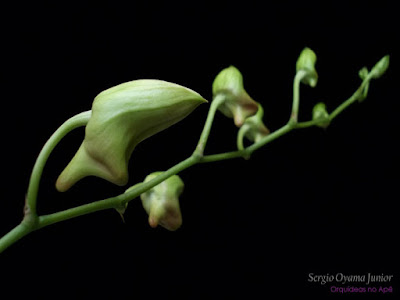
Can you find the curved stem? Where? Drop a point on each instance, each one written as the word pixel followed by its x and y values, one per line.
pixel 240 136
pixel 296 95
pixel 78 120
pixel 217 101
pixel 305 124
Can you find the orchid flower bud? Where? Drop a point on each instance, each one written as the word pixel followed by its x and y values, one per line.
pixel 363 73
pixel 320 114
pixel 306 62
pixel 162 202
pixel 122 117
pixel 256 128
pixel 380 67
pixel 238 104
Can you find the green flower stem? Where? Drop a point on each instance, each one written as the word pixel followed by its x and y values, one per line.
pixel 217 101
pixel 222 156
pixel 76 121
pixel 14 235
pixel 305 124
pixel 31 221
pixel 115 202
pixel 74 212
pixel 269 138
pixel 296 95
pixel 358 94
pixel 246 152
pixel 240 136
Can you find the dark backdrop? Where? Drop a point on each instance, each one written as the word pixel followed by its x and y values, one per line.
pixel 313 201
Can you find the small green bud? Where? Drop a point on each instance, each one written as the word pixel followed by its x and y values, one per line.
pixel 380 67
pixel 363 73
pixel 306 62
pixel 162 202
pixel 122 117
pixel 238 104
pixel 256 128
pixel 319 113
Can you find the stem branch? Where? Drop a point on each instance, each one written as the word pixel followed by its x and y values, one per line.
pixel 217 101
pixel 356 96
pixel 296 95
pixel 76 121
pixel 14 235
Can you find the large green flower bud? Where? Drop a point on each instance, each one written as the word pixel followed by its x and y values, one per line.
pixel 162 202
pixel 122 117
pixel 238 104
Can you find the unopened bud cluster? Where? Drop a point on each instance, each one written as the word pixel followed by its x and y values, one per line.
pixel 126 114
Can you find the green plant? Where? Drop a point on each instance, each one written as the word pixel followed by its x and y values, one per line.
pixel 123 116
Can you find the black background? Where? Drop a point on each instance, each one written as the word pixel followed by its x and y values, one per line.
pixel 313 201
